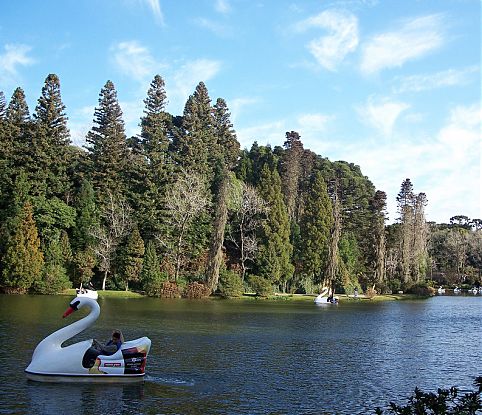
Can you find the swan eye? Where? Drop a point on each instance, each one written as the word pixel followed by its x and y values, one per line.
pixel 75 305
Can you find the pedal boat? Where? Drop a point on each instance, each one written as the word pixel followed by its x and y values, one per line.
pixel 74 363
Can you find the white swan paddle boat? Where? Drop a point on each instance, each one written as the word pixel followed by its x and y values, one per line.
pixel 441 290
pixel 87 292
pixel 323 299
pixel 76 363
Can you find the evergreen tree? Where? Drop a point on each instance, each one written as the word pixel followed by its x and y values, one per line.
pixel 315 227
pixel 276 249
pixel 196 145
pixel 228 145
pixel 405 200
pixel 133 258
pixel 215 257
pixel 108 145
pixel 87 217
pixel 151 276
pixel 23 260
pixel 378 206
pixel 51 140
pixel 156 173
pixel 53 278
pixel 291 169
pixel 3 107
pixel 18 133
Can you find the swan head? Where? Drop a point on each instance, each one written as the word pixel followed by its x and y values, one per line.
pixel 77 303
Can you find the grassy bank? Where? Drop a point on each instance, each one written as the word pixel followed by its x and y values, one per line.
pixel 277 297
pixel 107 293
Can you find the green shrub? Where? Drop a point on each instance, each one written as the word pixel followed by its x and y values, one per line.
pixel 445 401
pixel 260 286
pixel 422 289
pixel 230 284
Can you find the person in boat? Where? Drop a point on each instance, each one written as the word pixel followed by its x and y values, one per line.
pixel 112 345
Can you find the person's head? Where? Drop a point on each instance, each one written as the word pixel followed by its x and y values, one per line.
pixel 117 336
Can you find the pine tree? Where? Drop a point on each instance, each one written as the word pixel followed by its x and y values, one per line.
pixel 23 260
pixel 196 145
pixel 87 217
pixel 54 277
pixel 51 140
pixel 157 171
pixel 405 200
pixel 18 132
pixel 291 169
pixel 315 227
pixel 276 249
pixel 378 206
pixel 108 145
pixel 225 135
pixel 133 258
pixel 3 107
pixel 151 276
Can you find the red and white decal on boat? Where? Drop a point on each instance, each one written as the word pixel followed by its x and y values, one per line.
pixel 112 364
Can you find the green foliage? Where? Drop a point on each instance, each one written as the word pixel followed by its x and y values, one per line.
pixel 133 257
pixel 107 144
pixel 261 286
pixel 54 277
pixel 315 227
pixel 23 260
pixel 230 284
pixel 444 402
pixel 151 276
pixel 87 217
pixel 52 216
pixel 83 263
pixel 422 289
pixel 275 251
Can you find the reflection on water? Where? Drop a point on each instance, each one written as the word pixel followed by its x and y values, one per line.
pixel 221 357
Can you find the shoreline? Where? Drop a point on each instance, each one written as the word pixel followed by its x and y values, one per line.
pixel 252 297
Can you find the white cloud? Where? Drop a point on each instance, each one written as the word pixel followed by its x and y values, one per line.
pixel 135 60
pixel 214 27
pixel 267 133
pixel 222 6
pixel 445 166
pixel 413 40
pixel 381 113
pixel 186 78
pixel 450 77
pixel 155 7
pixel 15 55
pixel 342 37
pixel 237 105
pixel 313 123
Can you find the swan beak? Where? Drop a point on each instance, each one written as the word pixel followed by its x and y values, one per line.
pixel 69 311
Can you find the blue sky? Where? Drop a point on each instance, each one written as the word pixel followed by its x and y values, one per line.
pixel 393 86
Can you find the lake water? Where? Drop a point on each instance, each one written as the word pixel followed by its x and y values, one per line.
pixel 259 357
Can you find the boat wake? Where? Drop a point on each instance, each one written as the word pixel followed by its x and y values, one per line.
pixel 168 381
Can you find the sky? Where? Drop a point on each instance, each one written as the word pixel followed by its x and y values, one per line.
pixel 392 86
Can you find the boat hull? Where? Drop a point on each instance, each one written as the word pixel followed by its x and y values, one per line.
pixel 87 378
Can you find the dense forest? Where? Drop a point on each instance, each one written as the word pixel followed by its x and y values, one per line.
pixel 181 210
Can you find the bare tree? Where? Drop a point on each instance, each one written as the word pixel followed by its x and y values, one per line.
pixel 186 200
pixel 117 222
pixel 248 214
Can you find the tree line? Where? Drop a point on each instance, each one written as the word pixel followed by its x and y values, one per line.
pixel 180 209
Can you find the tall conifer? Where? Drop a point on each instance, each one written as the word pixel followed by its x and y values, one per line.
pixel 51 139
pixel 315 227
pixel 276 249
pixel 107 144
pixel 23 260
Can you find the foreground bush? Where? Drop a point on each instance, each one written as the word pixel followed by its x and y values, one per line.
pixel 260 286
pixel 230 284
pixel 444 402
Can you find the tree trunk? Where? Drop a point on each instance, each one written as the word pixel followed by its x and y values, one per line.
pixel 104 280
pixel 217 240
